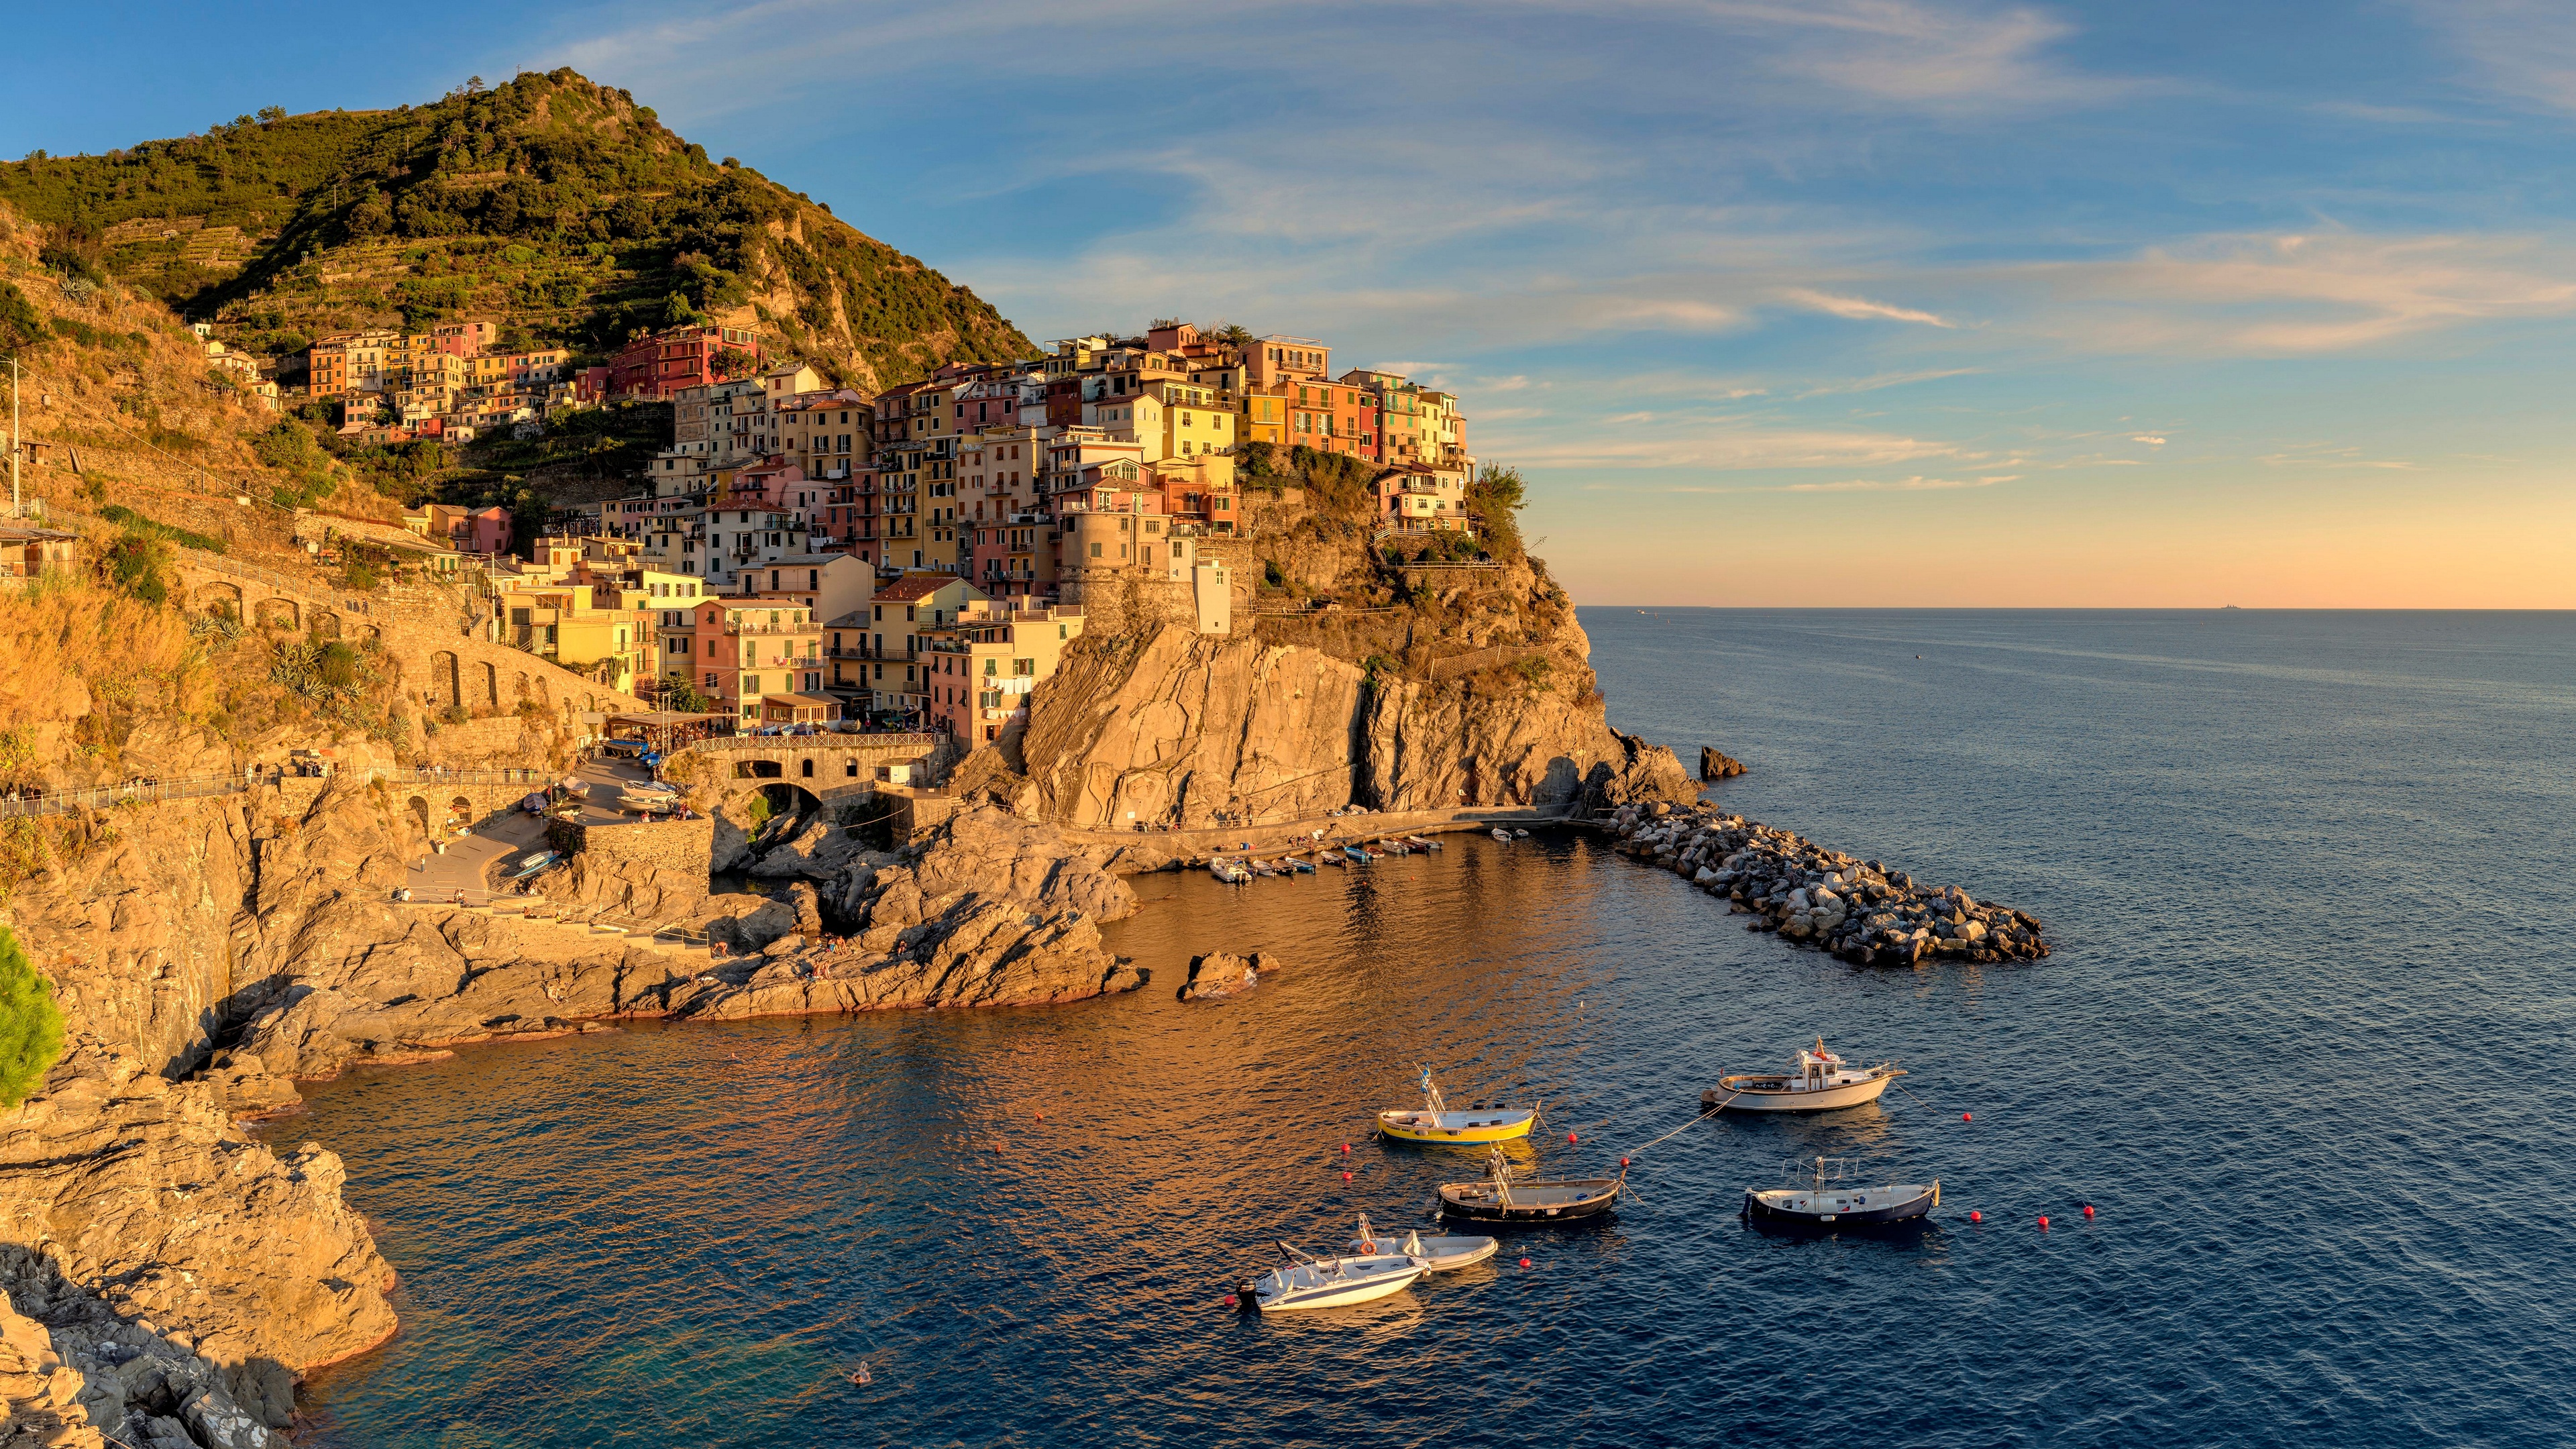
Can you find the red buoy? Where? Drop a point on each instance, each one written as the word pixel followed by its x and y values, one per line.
pixel 2043 1222
pixel 1623 1162
pixel 1041 1116
pixel 1966 1116
pixel 2088 1210
pixel 1524 1262
pixel 1346 1177
pixel 1569 1137
pixel 1346 1147
pixel 1229 1300
pixel 1976 1217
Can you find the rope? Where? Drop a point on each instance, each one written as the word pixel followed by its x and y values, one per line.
pixel 1686 1126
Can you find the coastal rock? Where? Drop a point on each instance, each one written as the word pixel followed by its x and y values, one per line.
pixel 1172 728
pixel 1858 909
pixel 1222 973
pixel 1716 766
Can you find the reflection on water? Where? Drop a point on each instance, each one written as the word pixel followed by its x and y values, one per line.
pixel 1023 1221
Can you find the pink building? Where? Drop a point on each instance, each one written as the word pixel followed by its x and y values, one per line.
pixel 463 529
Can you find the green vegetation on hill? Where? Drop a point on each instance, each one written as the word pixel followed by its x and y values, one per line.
pixel 556 206
pixel 31 1026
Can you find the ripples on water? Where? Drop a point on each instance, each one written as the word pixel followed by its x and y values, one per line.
pixel 2310 877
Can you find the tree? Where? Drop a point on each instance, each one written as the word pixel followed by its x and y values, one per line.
pixel 734 362
pixel 1499 487
pixel 31 1025
pixel 271 113
pixel 22 328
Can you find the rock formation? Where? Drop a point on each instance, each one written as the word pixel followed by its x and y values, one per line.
pixel 1176 727
pixel 1716 766
pixel 1857 909
pixel 1222 973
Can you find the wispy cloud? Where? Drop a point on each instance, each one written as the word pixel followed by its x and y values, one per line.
pixel 2150 439
pixel 2525 49
pixel 1861 307
pixel 1886 379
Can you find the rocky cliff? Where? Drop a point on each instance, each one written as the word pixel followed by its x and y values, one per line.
pixel 1175 727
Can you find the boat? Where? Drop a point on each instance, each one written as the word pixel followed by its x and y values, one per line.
pixel 1418 843
pixel 1393 847
pixel 1356 855
pixel 1303 1280
pixel 1437 1124
pixel 648 795
pixel 1520 835
pixel 1295 866
pixel 529 865
pixel 1495 1198
pixel 1438 1253
pixel 1229 871
pixel 1816 1081
pixel 1822 1202
pixel 1263 868
pixel 1502 835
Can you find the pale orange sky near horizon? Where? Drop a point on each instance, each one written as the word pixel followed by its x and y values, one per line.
pixel 2488 547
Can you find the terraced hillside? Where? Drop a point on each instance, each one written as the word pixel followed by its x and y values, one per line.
pixel 558 206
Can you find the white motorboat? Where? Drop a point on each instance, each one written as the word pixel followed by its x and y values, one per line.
pixel 1816 1081
pixel 1439 1252
pixel 1823 1202
pixel 648 796
pixel 1303 1280
pixel 1502 835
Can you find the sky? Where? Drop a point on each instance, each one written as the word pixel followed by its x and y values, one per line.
pixel 1780 302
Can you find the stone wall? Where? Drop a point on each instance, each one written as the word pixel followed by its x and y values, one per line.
pixel 684 846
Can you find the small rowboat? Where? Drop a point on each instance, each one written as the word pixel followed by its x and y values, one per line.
pixel 530 865
pixel 1823 1203
pixel 1537 1201
pixel 1306 1281
pixel 648 796
pixel 1437 1252
pixel 1294 866
pixel 1816 1081
pixel 1502 835
pixel 1435 1124
pixel 1418 843
pixel 1357 855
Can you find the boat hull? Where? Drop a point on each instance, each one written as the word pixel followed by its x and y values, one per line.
pixel 1829 1211
pixel 1533 1204
pixel 1301 1288
pixel 1826 1099
pixel 1455 1129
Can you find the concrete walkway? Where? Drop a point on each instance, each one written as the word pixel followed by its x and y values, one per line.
pixel 1270 837
pixel 467 864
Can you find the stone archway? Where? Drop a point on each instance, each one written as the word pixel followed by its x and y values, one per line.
pixel 490 693
pixel 324 624
pixel 418 805
pixel 519 687
pixel 218 597
pixel 758 770
pixel 442 681
pixel 370 631
pixel 274 613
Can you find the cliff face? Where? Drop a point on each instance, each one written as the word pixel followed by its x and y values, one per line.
pixel 1177 726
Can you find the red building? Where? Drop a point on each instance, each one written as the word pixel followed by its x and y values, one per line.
pixel 664 363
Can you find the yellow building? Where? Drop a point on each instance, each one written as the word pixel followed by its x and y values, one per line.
pixel 1193 423
pixel 1264 418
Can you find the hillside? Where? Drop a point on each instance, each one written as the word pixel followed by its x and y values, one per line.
pixel 557 206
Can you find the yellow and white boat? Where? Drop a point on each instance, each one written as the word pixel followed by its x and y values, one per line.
pixel 1437 1124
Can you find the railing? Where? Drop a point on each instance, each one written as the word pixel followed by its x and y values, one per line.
pixel 737 628
pixel 63 802
pixel 850 738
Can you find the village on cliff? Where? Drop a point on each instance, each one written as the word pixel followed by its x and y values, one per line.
pixel 802 554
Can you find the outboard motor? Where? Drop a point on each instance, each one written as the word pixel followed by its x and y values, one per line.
pixel 1243 1298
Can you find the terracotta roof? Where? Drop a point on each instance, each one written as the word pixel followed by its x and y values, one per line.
pixel 913 586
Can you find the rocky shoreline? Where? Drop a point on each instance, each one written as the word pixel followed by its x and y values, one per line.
pixel 1865 912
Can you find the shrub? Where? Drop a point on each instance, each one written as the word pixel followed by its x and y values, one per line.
pixel 134 522
pixel 31 1025
pixel 22 329
pixel 134 563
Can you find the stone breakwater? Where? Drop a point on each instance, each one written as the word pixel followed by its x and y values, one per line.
pixel 1860 910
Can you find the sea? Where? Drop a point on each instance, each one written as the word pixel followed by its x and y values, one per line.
pixel 2311 887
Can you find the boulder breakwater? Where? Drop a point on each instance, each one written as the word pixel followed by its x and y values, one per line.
pixel 1861 910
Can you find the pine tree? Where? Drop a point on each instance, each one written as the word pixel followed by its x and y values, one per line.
pixel 31 1026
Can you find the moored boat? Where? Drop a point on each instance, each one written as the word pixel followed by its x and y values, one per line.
pixel 1229 871
pixel 1303 1280
pixel 1822 1201
pixel 1535 1201
pixel 1502 835
pixel 1419 843
pixel 1436 1124
pixel 1438 1252
pixel 1296 866
pixel 530 865
pixel 1815 1081
pixel 1356 855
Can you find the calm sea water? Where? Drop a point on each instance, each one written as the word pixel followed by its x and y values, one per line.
pixel 2314 896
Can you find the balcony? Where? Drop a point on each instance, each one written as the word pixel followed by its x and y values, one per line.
pixel 736 627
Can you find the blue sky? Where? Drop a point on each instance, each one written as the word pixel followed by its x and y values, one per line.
pixel 1833 302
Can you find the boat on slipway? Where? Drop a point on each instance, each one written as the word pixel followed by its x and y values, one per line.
pixel 1530 1202
pixel 1303 1280
pixel 1815 1081
pixel 1437 1124
pixel 1824 1202
pixel 1438 1252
